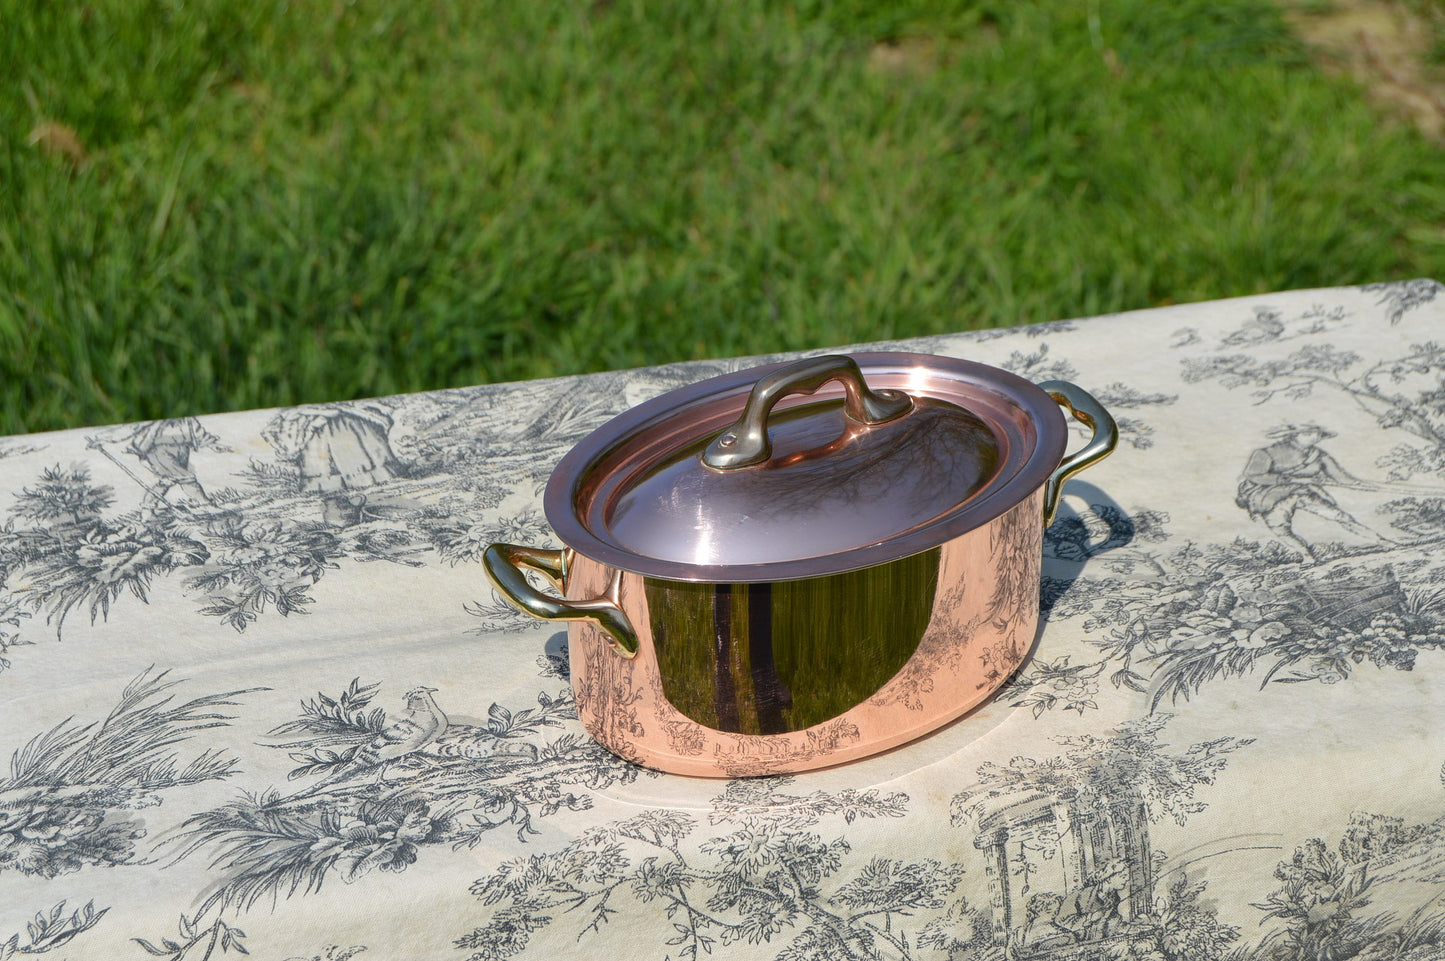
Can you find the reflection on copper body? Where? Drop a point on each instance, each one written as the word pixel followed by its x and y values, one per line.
pixel 980 625
pixel 770 658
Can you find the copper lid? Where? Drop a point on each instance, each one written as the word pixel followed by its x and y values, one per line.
pixel 954 445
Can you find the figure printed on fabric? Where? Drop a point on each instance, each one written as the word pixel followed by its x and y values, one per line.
pixel 1294 474
pixel 339 449
pixel 164 449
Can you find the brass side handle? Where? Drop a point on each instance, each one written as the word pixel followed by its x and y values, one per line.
pixel 746 442
pixel 504 564
pixel 1089 412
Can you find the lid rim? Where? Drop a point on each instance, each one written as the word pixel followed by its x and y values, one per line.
pixel 1030 470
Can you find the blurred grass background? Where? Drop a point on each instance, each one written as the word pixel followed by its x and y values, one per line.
pixel 228 204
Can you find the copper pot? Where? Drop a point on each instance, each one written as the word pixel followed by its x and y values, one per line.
pixel 762 583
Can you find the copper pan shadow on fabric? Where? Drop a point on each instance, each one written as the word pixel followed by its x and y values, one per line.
pixel 761 582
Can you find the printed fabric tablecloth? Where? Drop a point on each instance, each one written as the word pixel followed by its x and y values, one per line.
pixel 259 698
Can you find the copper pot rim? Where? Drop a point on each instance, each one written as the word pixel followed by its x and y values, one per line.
pixel 1027 419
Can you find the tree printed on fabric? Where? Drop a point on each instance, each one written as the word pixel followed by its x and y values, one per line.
pixel 70 797
pixel 379 788
pixel 215 940
pixel 75 555
pixel 1129 763
pixel 1401 296
pixel 760 872
pixel 1402 392
pixel 72 556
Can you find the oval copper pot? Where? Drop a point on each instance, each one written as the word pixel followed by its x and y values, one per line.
pixel 803 661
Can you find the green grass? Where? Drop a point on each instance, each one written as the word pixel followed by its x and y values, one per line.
pixel 288 202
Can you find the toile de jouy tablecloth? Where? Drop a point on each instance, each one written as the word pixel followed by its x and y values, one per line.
pixel 1226 743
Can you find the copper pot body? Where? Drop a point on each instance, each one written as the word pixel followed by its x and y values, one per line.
pixel 978 595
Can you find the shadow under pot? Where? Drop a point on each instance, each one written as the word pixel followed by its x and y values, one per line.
pixel 798 565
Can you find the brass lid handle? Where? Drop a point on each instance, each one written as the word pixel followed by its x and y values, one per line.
pixel 746 442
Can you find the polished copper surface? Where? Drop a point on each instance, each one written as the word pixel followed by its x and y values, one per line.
pixel 835 495
pixel 772 657
pixel 982 614
pixel 831 486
